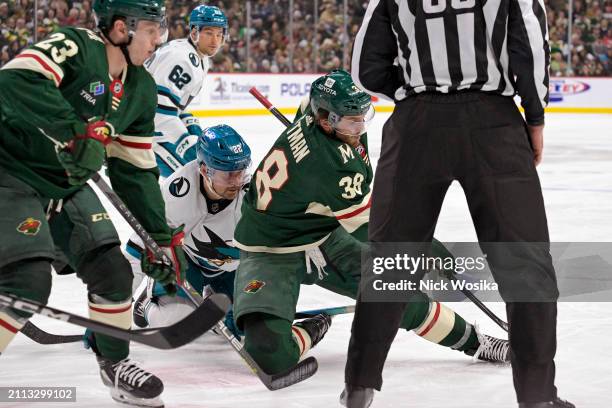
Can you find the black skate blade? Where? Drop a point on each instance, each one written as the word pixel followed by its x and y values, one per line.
pixel 302 371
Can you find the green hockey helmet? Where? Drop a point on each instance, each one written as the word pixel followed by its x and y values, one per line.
pixel 337 94
pixel 132 10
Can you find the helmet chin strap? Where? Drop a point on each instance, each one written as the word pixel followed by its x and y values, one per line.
pixel 122 46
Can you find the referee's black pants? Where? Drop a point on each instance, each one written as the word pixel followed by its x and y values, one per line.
pixel 481 141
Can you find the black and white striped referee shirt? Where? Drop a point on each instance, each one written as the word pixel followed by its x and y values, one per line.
pixel 406 47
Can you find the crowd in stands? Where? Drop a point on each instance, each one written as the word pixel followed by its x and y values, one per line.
pixel 317 41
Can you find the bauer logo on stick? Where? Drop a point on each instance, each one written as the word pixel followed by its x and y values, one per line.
pixel 30 226
pixel 254 286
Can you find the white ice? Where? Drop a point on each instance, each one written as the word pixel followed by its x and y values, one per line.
pixel 576 177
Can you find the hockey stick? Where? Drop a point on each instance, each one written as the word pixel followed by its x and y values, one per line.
pixel 40 336
pixel 332 311
pixel 501 323
pixel 206 315
pixel 191 327
pixel 300 372
pixel 265 102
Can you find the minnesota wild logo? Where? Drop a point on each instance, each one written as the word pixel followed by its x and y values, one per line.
pixel 29 227
pixel 254 286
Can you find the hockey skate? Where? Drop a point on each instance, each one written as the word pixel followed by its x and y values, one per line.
pixel 490 349
pixel 556 403
pixel 131 384
pixel 139 310
pixel 354 396
pixel 316 327
pixel 142 302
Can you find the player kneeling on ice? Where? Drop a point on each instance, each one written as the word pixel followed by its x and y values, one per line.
pixel 205 196
pixel 179 69
pixel 304 221
pixel 61 117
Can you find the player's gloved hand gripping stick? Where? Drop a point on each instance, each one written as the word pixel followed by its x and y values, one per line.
pixel 84 155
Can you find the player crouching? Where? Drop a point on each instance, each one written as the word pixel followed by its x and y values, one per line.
pixel 205 196
pixel 305 221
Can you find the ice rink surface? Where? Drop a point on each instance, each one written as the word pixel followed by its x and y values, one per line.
pixel 577 180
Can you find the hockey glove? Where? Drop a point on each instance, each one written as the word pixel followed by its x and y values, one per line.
pixel 167 273
pixel 85 154
pixel 192 124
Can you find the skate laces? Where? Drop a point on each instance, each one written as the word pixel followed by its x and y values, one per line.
pixel 316 256
pixel 490 348
pixel 129 371
pixel 144 300
pixel 140 308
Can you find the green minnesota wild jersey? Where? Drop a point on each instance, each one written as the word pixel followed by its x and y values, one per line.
pixel 48 93
pixel 308 184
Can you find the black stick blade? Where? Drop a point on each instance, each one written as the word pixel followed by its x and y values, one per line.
pixel 40 336
pixel 302 371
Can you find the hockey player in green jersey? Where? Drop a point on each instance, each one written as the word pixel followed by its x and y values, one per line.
pixel 304 221
pixel 67 104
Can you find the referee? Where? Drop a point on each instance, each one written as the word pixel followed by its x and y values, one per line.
pixel 452 67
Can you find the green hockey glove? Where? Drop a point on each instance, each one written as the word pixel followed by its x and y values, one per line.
pixel 85 154
pixel 167 273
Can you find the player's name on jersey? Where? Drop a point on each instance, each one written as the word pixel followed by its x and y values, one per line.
pixel 297 142
pixel 436 285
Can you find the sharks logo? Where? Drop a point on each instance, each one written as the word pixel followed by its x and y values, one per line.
pixel 215 253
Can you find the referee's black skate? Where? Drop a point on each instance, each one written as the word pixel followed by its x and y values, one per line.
pixel 131 384
pixel 354 396
pixel 556 403
pixel 490 349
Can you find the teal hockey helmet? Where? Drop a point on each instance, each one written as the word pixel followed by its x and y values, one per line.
pixel 207 16
pixel 222 148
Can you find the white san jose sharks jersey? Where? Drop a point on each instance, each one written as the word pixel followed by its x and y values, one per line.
pixel 179 73
pixel 209 225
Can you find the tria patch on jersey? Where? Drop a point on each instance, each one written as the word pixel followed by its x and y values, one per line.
pixel 254 286
pixel 30 226
pixel 96 88
pixel 179 187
